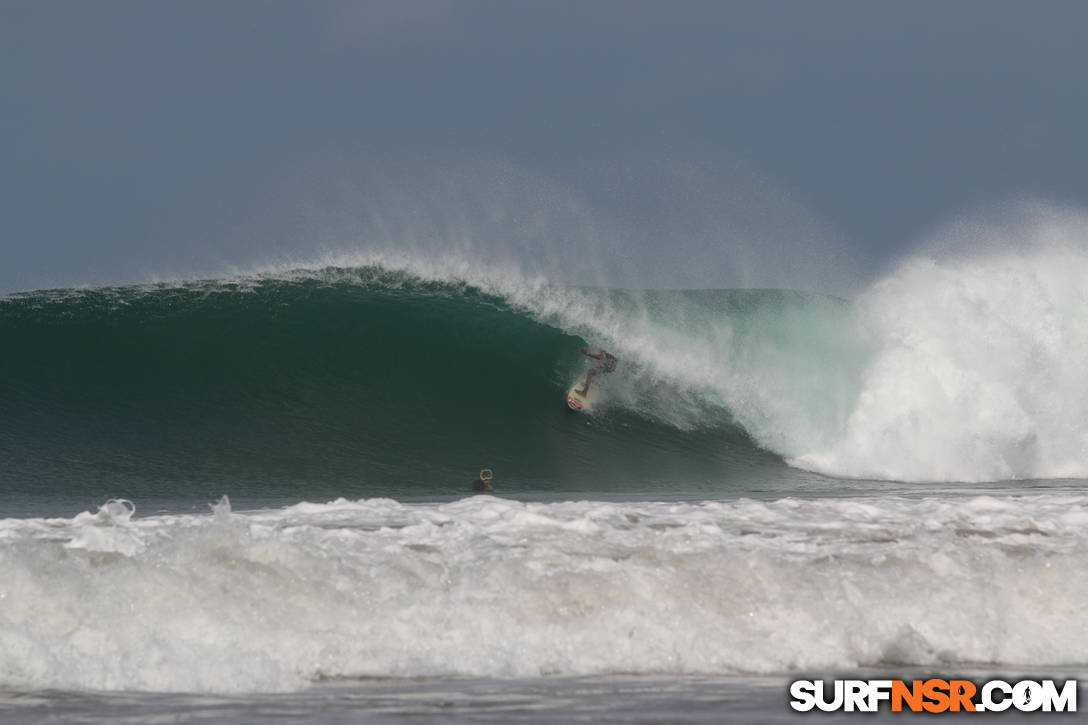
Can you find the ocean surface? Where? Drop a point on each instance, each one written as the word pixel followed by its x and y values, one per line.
pixel 247 499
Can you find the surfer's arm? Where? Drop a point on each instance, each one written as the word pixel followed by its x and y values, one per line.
pixel 598 356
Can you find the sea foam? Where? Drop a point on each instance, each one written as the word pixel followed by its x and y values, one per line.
pixel 274 600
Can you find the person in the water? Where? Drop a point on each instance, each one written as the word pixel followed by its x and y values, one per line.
pixel 607 364
pixel 483 483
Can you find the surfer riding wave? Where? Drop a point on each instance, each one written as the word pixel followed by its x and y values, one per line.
pixel 607 363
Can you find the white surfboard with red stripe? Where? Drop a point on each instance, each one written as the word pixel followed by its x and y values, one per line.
pixel 577 401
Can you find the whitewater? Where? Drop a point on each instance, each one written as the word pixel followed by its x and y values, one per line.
pixel 253 490
pixel 485 587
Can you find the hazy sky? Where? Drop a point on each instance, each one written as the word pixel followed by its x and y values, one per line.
pixel 664 143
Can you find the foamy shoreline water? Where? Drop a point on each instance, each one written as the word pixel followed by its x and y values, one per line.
pixel 273 601
pixel 741 699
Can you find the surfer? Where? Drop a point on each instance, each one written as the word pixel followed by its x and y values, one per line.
pixel 483 483
pixel 607 364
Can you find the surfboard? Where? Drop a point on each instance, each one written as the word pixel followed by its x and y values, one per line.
pixel 575 401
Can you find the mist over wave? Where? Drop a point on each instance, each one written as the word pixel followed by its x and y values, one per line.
pixel 384 370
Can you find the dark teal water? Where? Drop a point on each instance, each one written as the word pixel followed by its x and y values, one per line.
pixel 275 391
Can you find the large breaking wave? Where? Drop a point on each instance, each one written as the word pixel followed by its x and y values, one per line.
pixel 406 377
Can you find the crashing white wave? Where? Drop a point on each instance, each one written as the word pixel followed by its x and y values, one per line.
pixel 274 600
pixel 979 373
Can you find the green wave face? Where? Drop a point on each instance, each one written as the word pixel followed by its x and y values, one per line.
pixel 379 384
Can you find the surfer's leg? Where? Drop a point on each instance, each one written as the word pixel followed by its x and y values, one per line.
pixel 585 388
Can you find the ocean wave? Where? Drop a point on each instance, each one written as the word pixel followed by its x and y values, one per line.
pixel 274 600
pixel 409 373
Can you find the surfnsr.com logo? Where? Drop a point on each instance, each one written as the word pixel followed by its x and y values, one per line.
pixel 933 695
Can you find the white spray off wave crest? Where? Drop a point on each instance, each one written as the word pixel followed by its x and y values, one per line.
pixel 966 369
pixel 980 373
